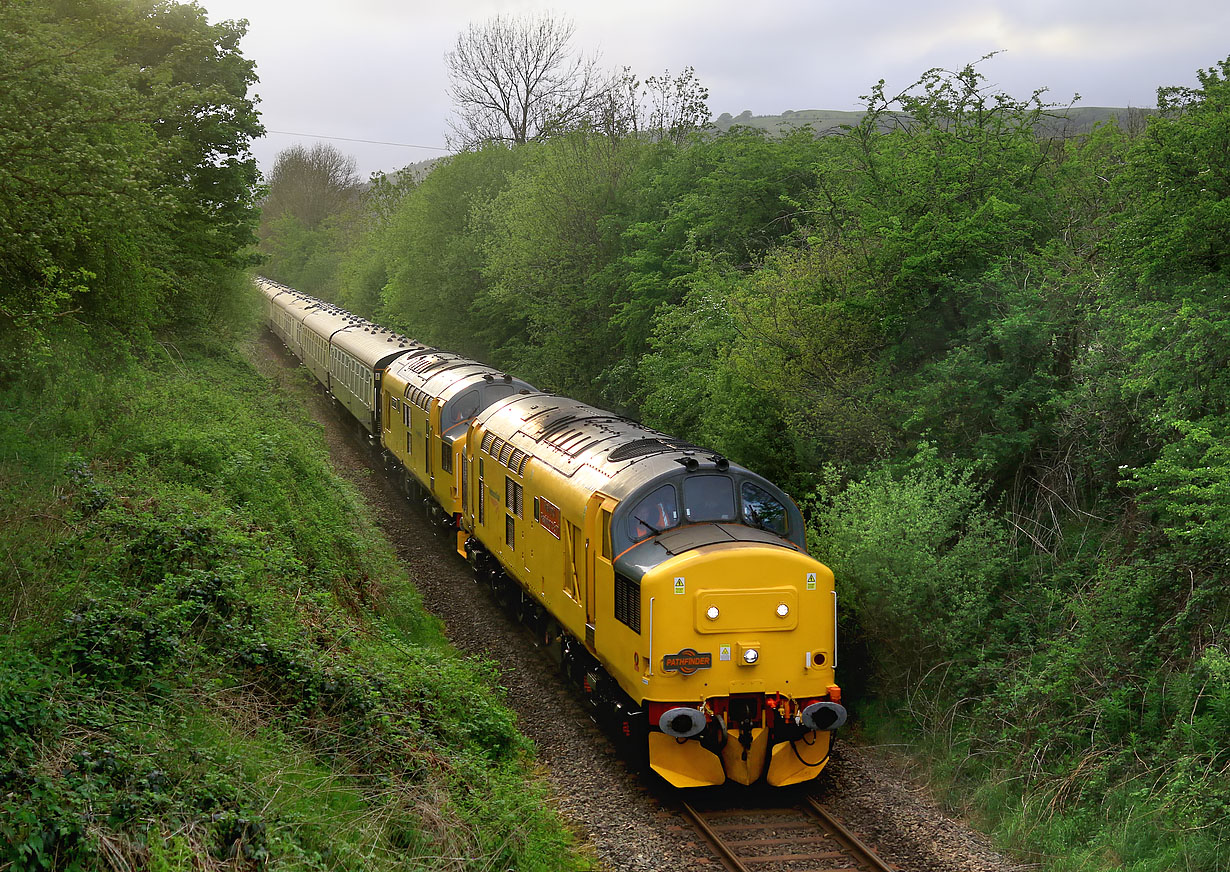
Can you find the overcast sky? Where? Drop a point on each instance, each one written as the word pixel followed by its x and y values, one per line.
pixel 374 69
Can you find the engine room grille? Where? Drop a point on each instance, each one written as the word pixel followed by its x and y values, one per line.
pixel 514 496
pixel 628 602
pixel 645 447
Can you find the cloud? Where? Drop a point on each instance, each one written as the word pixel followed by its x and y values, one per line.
pixel 374 69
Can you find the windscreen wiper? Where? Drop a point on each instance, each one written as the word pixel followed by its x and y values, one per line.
pixel 651 527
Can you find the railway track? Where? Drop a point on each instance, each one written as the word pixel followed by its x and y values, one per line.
pixel 800 837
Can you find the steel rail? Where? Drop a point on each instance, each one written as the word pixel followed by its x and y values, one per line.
pixel 863 855
pixel 848 846
pixel 728 858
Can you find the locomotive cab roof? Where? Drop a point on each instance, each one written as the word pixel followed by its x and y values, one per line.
pixel 673 496
pixel 463 387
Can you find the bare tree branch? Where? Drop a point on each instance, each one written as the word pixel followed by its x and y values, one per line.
pixel 515 80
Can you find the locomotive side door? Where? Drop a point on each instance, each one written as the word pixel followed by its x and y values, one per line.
pixel 599 570
pixel 428 469
pixel 384 403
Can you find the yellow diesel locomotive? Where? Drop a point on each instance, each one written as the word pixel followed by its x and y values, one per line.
pixel 672 585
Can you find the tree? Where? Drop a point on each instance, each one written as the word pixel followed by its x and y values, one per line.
pixel 311 183
pixel 515 80
pixel 433 250
pixel 660 108
pixel 125 172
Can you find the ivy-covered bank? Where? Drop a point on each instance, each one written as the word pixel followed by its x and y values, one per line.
pixel 210 657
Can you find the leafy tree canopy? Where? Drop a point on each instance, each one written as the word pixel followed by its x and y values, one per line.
pixel 126 180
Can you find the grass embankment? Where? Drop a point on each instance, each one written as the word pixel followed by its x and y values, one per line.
pixel 210 655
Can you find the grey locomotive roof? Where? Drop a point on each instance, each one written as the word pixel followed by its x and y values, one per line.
pixel 440 367
pixel 443 374
pixel 628 461
pixel 569 435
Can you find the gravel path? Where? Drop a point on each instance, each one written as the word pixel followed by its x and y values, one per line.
pixel 626 819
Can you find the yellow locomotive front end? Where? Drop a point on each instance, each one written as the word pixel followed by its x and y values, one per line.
pixel 671 584
pixel 738 678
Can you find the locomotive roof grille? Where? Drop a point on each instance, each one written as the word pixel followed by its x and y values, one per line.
pixel 647 447
pixel 424 363
pixel 638 448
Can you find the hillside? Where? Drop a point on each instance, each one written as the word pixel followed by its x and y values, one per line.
pixel 1073 121
pixel 212 657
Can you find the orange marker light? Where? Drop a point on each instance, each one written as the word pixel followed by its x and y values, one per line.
pixel 834 693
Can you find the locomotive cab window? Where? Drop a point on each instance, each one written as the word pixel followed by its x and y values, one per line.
pixel 657 512
pixel 708 498
pixel 462 408
pixel 761 509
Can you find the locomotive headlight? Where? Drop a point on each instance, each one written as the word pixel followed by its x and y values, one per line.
pixel 750 656
pixel 712 613
pixel 783 610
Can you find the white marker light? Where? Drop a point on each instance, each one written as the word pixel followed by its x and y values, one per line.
pixel 712 613
pixel 783 610
pixel 750 656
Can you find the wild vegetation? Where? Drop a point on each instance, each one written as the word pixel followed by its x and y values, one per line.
pixel 991 362
pixel 127 188
pixel 213 659
pixel 210 657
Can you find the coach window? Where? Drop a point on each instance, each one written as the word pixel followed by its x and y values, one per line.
pixel 761 509
pixel 708 498
pixel 657 512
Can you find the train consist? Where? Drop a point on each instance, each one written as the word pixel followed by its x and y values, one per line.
pixel 672 585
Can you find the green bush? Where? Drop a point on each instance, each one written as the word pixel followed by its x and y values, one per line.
pixel 917 558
